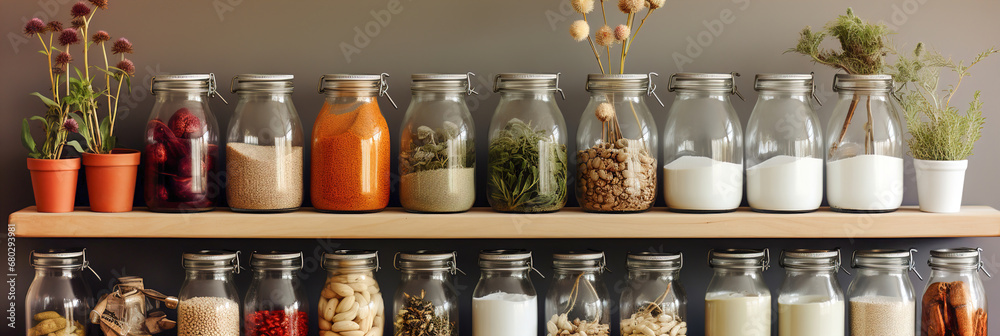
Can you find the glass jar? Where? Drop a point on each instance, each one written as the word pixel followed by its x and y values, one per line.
pixel 527 170
pixel 737 301
pixel 864 160
pixel 209 304
pixel 351 301
pixel 264 148
pixel 881 297
pixel 275 304
pixel 182 144
pixel 810 302
pixel 58 300
pixel 653 298
pixel 784 146
pixel 577 301
pixel 954 301
pixel 504 302
pixel 437 156
pixel 426 302
pixel 350 146
pixel 703 145
pixel 617 145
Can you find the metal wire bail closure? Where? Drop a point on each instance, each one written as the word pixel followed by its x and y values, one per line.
pixel 651 88
pixel 213 92
pixel 383 89
pixel 470 90
pixel 913 264
pixel 982 266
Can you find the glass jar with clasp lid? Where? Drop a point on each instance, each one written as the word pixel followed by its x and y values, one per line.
pixel 426 302
pixel 504 302
pixel 737 301
pixel 59 300
pixel 577 302
pixel 954 301
pixel 351 295
pixel 275 304
pixel 810 301
pixel 209 302
pixel 881 298
pixel 653 300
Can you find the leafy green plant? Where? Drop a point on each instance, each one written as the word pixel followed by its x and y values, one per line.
pixel 527 170
pixel 436 149
pixel 937 130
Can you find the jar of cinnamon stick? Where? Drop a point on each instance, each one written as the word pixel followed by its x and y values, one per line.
pixel 954 302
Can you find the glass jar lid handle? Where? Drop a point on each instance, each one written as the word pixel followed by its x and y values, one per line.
pixel 767 251
pixel 383 89
pixel 213 88
pixel 982 266
pixel 470 89
pixel 651 88
pixel 840 262
pixel 86 265
pixel 913 264
pixel 237 268
pixel 531 265
pixel 737 92
pixel 816 98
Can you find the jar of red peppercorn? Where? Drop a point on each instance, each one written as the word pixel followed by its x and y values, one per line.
pixel 275 305
pixel 182 139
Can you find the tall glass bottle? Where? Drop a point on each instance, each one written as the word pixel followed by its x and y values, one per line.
pixel 527 170
pixel 577 301
pixel 426 302
pixel 881 296
pixel 264 146
pixel 810 302
pixel 209 303
pixel 275 304
pixel 59 300
pixel 954 301
pixel 703 145
pixel 738 302
pixel 653 299
pixel 504 302
pixel 351 301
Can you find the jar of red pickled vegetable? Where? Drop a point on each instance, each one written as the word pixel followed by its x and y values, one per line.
pixel 182 140
pixel 350 145
pixel 275 304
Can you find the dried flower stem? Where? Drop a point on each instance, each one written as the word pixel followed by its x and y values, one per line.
pixel 636 33
pixel 592 47
pixel 608 48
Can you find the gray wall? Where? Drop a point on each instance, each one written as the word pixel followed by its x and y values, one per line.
pixel 306 38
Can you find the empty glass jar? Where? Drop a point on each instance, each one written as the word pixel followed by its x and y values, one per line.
pixel 881 296
pixel 737 301
pixel 426 302
pixel 617 145
pixel 954 301
pixel 182 145
pixel 577 301
pixel 350 146
pixel 504 302
pixel 864 159
pixel 209 303
pixel 703 145
pixel 527 170
pixel 784 146
pixel 810 302
pixel 275 304
pixel 264 147
pixel 653 298
pixel 437 156
pixel 351 296
pixel 59 300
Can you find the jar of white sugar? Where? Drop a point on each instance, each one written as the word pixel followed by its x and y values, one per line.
pixel 437 155
pixel 351 301
pixel 810 301
pixel 881 296
pixel 426 301
pixel 653 300
pixel 504 302
pixel 737 301
pixel 784 146
pixel 703 145
pixel 209 304
pixel 577 301
pixel 864 155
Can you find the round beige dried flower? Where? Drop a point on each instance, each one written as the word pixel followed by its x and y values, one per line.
pixel 604 37
pixel 605 112
pixel 579 30
pixel 631 6
pixel 654 4
pixel 622 32
pixel 583 6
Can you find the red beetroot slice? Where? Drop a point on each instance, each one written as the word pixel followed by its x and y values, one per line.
pixel 185 125
pixel 157 153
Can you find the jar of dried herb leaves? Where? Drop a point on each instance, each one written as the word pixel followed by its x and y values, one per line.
pixel 426 302
pixel 653 300
pixel 577 301
pixel 437 157
pixel 527 150
pixel 616 145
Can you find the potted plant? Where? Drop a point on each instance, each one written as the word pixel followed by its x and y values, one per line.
pixel 941 138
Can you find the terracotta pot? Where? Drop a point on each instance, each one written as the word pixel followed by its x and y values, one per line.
pixel 111 179
pixel 54 183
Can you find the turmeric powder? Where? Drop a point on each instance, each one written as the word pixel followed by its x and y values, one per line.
pixel 350 158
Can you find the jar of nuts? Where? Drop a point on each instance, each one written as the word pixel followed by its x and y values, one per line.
pixel 58 299
pixel 577 301
pixel 351 302
pixel 275 304
pixel 954 301
pixel 654 303
pixel 426 302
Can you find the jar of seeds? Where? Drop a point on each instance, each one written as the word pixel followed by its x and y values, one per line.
pixel 654 303
pixel 58 299
pixel 881 298
pixel 577 302
pixel 426 302
pixel 209 304
pixel 351 301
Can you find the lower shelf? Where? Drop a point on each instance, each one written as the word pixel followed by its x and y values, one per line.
pixel 394 223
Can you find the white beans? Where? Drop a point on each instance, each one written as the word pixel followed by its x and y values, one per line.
pixel 351 305
pixel 208 316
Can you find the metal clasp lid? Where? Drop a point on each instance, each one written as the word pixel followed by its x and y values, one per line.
pixel 651 88
pixel 529 77
pixel 452 263
pixel 470 89
pixel 737 92
pixel 815 97
pixel 236 267
pixel 913 264
pixel 982 266
pixel 383 89
pixel 213 91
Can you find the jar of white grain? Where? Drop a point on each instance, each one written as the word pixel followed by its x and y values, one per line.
pixel 881 296
pixel 209 304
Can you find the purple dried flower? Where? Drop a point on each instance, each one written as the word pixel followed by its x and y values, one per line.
pixel 102 4
pixel 80 9
pixel 122 46
pixel 100 37
pixel 64 58
pixel 126 66
pixel 69 36
pixel 71 125
pixel 78 23
pixel 34 26
pixel 54 26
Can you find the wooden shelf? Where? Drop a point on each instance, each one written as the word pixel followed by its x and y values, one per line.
pixel 972 221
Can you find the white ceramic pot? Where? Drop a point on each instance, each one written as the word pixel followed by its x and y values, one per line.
pixel 940 184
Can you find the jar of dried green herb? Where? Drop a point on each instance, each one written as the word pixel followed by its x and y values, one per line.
pixel 426 301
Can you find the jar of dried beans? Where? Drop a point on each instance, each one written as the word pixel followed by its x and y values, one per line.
pixel 737 301
pixel 527 170
pixel 351 302
pixel 426 302
pixel 653 301
pixel 58 301
pixel 275 304
pixel 954 301
pixel 703 145
pixel 264 148
pixel 182 140
pixel 577 301
pixel 810 301
pixel 437 156
pixel 209 304
pixel 350 146
pixel 617 145
pixel 881 296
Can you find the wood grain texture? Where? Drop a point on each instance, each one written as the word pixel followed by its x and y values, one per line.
pixel 908 222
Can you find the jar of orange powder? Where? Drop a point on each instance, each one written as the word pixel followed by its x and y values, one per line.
pixel 350 145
